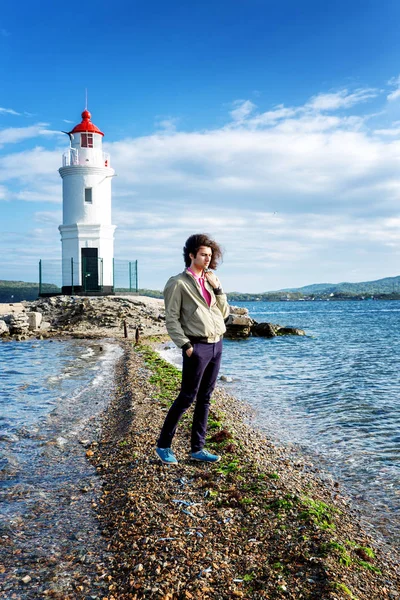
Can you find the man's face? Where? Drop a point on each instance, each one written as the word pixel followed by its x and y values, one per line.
pixel 202 258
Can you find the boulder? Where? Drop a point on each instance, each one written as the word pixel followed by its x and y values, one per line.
pixel 239 310
pixel 290 331
pixel 3 328
pixel 268 330
pixel 34 320
pixel 18 323
pixel 238 324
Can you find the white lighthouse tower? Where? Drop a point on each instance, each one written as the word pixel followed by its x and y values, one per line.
pixel 87 235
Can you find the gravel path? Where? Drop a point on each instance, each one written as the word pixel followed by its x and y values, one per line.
pixel 259 524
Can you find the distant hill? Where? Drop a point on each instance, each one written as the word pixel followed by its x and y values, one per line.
pixel 388 285
pixel 387 288
pixel 17 291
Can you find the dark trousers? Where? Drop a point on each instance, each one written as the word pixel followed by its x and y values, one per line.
pixel 199 376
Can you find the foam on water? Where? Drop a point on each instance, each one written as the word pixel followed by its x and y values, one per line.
pixel 49 399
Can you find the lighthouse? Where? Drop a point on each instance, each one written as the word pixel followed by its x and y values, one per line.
pixel 87 234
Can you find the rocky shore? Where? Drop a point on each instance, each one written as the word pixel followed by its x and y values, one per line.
pixel 83 317
pixel 111 316
pixel 259 524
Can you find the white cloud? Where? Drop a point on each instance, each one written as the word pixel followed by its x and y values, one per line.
pixel 395 132
pixel 309 113
pixel 290 192
pixel 257 242
pixel 52 218
pixel 394 95
pixel 167 125
pixel 243 108
pixel 341 99
pixel 46 193
pixel 13 135
pixel 30 165
pixel 9 111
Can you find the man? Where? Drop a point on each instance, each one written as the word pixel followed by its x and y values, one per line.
pixel 195 313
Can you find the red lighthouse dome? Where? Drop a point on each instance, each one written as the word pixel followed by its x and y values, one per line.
pixel 86 125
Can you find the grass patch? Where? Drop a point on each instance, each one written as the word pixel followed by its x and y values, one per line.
pixel 164 375
pixel 365 555
pixel 341 587
pixel 286 503
pixel 229 467
pixel 336 548
pixel 364 552
pixel 318 512
pixel 367 565
pixel 246 500
pixel 213 424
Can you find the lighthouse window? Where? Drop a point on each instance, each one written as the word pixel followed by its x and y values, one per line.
pixel 88 195
pixel 87 140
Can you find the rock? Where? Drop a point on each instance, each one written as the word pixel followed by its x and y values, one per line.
pixel 3 328
pixel 34 320
pixel 238 310
pixel 138 568
pixel 290 331
pixel 238 324
pixel 241 320
pixel 45 325
pixel 18 323
pixel 26 579
pixel 264 330
pixel 226 378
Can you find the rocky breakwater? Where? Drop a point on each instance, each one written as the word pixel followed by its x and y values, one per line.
pixel 112 316
pixel 76 316
pixel 240 325
pixel 20 321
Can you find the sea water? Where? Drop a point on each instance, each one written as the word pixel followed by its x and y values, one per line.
pixel 51 395
pixel 333 394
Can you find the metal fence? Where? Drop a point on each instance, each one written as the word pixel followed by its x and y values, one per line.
pixel 125 276
pixel 86 277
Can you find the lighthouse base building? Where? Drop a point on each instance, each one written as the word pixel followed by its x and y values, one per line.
pixel 87 234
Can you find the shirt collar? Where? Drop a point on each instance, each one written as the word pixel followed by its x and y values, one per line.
pixel 197 277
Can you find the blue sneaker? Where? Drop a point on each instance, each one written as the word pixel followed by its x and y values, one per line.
pixel 166 456
pixel 205 456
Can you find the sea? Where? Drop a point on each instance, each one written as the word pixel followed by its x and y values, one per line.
pixel 52 394
pixel 333 396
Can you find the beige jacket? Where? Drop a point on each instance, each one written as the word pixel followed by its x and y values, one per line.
pixel 187 313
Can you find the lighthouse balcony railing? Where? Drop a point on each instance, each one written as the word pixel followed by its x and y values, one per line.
pixel 72 157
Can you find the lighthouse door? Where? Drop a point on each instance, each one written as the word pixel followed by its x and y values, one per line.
pixel 90 270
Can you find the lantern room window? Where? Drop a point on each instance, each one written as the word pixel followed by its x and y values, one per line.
pixel 86 140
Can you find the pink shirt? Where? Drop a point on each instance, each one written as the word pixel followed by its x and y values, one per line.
pixel 201 281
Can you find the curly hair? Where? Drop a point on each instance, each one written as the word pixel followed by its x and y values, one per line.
pixel 193 244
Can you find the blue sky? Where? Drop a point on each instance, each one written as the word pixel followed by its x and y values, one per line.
pixel 274 127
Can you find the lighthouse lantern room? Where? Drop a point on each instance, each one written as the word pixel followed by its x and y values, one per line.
pixel 87 235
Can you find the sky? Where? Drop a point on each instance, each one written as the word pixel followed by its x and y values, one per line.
pixel 272 126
